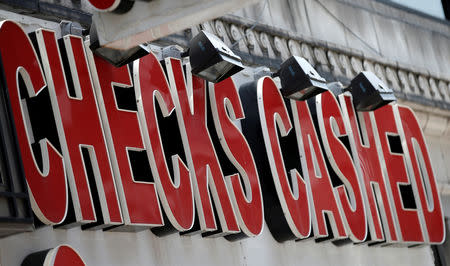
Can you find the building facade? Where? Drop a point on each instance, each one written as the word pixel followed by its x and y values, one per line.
pixel 407 49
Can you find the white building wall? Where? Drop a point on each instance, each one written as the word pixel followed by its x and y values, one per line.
pixel 144 248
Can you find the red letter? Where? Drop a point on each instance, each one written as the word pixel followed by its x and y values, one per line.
pixel 48 188
pixel 79 126
pixel 395 169
pixel 293 200
pixel 176 197
pixel 138 199
pixel 224 97
pixel 63 255
pixel 322 198
pixel 369 172
pixel 200 153
pixel 349 195
pixel 105 5
pixel 424 182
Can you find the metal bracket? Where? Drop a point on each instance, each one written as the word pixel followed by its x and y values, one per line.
pixel 72 28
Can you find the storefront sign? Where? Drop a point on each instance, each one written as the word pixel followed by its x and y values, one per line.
pixel 151 146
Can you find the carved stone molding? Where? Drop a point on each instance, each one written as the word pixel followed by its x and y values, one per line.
pixel 338 63
pixel 253 43
pixel 281 47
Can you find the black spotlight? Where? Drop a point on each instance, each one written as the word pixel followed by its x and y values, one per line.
pixel 116 57
pixel 211 59
pixel 369 92
pixel 299 80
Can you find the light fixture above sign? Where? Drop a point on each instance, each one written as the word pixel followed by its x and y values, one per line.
pixel 211 59
pixel 369 92
pixel 117 57
pixel 299 80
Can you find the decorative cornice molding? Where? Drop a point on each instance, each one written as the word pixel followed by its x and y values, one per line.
pixel 260 44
